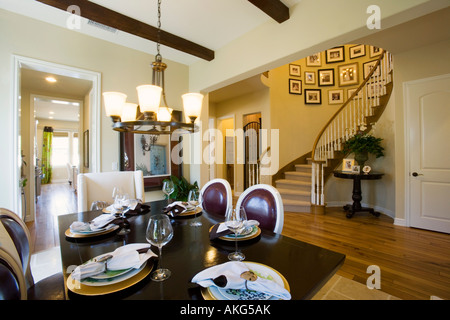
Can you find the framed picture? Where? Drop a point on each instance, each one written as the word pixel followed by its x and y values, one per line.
pixel 348 74
pixel 295 86
pixel 326 77
pixel 313 96
pixel 86 149
pixel 347 165
pixel 294 70
pixel 152 156
pixel 357 51
pixel 356 169
pixel 313 60
pixel 310 77
pixel 335 55
pixel 374 51
pixel 336 96
pixel 367 68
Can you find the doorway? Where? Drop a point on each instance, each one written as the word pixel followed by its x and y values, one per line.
pixel 252 148
pixel 427 103
pixel 226 165
pixel 24 71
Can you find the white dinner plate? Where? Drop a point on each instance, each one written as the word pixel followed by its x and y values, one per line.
pixel 263 271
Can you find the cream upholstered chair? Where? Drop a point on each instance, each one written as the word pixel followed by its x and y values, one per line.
pixel 263 203
pixel 216 196
pixel 99 186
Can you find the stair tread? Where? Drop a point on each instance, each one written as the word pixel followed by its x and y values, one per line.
pixel 298 173
pixel 293 191
pixel 303 183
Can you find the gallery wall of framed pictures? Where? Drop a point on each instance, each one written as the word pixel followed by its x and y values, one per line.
pixel 331 76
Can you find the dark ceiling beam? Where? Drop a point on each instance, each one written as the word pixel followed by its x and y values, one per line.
pixel 276 9
pixel 97 13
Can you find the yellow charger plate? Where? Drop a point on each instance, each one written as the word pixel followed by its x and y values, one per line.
pixel 79 288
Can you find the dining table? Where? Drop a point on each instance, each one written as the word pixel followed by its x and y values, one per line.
pixel 304 266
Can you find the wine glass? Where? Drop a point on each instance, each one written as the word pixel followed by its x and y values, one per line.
pixel 235 221
pixel 122 202
pixel 194 199
pixel 159 233
pixel 168 188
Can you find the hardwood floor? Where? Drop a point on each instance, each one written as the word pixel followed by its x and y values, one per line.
pixel 55 199
pixel 414 263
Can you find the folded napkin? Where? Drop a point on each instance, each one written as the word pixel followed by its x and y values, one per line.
pixel 100 222
pixel 232 271
pixel 135 209
pixel 124 257
pixel 220 229
pixel 177 207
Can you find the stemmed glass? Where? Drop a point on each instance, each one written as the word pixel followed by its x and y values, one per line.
pixel 122 202
pixel 235 221
pixel 159 233
pixel 194 199
pixel 168 188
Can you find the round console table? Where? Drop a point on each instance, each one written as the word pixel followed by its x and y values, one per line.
pixel 356 195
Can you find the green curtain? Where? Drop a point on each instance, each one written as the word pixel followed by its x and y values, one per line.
pixel 47 155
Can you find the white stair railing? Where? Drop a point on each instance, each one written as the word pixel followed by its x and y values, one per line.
pixel 348 120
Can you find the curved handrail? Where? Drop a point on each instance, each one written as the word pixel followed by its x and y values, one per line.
pixel 357 91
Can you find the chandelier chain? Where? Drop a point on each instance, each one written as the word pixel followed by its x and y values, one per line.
pixel 158 43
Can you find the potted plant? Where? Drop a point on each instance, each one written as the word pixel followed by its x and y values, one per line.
pixel 361 145
pixel 181 188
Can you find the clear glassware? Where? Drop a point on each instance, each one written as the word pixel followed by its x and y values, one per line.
pixel 168 188
pixel 122 202
pixel 235 221
pixel 159 233
pixel 194 199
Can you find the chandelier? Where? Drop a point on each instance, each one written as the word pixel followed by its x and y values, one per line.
pixel 150 117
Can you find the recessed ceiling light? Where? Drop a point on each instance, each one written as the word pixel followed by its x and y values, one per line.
pixel 51 112
pixel 50 117
pixel 50 79
pixel 60 102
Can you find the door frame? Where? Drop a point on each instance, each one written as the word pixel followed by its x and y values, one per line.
pixel 19 62
pixel 407 167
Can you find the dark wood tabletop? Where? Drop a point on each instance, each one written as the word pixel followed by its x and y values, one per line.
pixel 306 267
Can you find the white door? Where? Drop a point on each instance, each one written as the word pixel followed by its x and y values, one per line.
pixel 428 125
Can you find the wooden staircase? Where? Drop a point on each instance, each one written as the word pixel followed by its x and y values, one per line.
pixel 301 182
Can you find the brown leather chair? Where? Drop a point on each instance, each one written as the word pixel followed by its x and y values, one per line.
pixel 216 197
pixel 12 281
pixel 50 288
pixel 263 203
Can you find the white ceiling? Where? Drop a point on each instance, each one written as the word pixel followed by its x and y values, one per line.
pixel 210 23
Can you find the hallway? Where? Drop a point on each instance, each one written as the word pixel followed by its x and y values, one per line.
pixel 56 199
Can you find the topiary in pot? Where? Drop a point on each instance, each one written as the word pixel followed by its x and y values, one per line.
pixel 361 145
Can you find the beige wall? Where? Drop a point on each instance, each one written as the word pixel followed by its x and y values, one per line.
pixel 122 69
pixel 300 123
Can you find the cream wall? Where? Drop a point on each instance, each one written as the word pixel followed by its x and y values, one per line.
pixel 300 123
pixel 258 101
pixel 122 70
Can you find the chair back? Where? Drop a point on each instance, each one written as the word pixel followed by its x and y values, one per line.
pixel 20 237
pixel 263 203
pixel 99 186
pixel 13 286
pixel 216 197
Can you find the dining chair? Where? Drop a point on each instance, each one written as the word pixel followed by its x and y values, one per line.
pixel 50 288
pixel 13 286
pixel 262 202
pixel 216 196
pixel 99 186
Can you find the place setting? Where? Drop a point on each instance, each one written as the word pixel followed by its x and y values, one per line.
pixel 112 271
pixel 183 209
pixel 111 219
